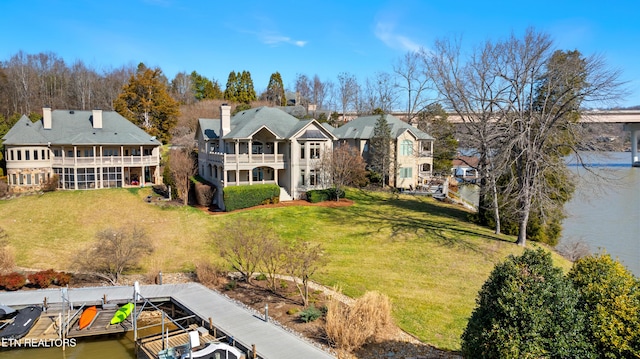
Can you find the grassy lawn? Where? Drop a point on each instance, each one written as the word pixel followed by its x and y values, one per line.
pixel 423 254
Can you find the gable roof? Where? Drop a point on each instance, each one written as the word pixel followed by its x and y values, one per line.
pixel 363 128
pixel 76 128
pixel 244 124
pixel 209 128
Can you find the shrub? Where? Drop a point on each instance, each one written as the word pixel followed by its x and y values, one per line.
pixel 208 273
pixel 610 297
pixel 62 279
pixel 42 279
pixel 261 276
pixel 231 285
pixel 4 186
pixel 310 314
pixel 51 184
pixel 12 281
pixel 350 327
pixel 526 309
pixel 237 197
pixel 293 311
pixel 203 191
pixel 321 195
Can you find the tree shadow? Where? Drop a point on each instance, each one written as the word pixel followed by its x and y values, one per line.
pixel 403 349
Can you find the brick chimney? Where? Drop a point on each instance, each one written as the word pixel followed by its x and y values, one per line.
pixel 46 118
pixel 97 118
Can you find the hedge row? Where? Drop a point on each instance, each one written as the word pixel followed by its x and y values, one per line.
pixel 237 197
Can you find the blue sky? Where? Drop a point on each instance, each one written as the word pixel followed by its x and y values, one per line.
pixel 312 37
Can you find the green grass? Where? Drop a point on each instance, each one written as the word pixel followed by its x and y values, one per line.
pixel 423 254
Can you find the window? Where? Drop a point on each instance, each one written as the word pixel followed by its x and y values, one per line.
pixel 406 172
pixel 15 179
pixel 88 153
pixel 45 153
pixel 258 174
pixel 35 155
pixel 406 148
pixel 302 151
pixel 27 155
pixel 314 150
pixel 302 180
pixel 28 178
pixel 313 177
pixel 11 155
pixel 19 153
pixel 69 153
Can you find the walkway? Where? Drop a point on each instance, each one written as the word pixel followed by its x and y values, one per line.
pixel 271 341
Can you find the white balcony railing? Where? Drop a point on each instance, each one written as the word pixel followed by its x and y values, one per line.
pixel 107 161
pixel 245 158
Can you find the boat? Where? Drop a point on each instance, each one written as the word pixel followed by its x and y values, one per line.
pixel 22 323
pixel 7 312
pixel 122 313
pixel 210 350
pixel 87 317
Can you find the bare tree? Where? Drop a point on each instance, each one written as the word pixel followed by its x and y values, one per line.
pixel 182 166
pixel 303 260
pixel 115 251
pixel 343 166
pixel 242 244
pixel 522 100
pixel 413 82
pixel 319 92
pixel 303 88
pixel 347 91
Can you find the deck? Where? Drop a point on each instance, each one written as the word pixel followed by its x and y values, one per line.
pixel 227 317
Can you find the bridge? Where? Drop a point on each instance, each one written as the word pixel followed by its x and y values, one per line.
pixel 630 119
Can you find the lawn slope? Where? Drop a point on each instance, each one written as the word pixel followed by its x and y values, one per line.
pixel 423 254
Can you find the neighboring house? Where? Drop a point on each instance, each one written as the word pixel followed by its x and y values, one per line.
pixel 465 167
pixel 261 145
pixel 86 149
pixel 412 149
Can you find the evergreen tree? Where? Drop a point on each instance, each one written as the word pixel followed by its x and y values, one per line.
pixel 275 90
pixel 527 309
pixel 145 101
pixel 246 92
pixel 231 91
pixel 380 149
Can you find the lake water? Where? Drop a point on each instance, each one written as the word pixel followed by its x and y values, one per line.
pixel 109 348
pixel 606 214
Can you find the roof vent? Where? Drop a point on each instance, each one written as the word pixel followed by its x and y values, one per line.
pixel 115 133
pixel 72 112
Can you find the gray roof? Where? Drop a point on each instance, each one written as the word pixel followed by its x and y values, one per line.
pixel 363 128
pixel 246 123
pixel 76 128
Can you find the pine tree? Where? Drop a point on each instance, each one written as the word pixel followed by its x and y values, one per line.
pixel 275 90
pixel 246 92
pixel 231 91
pixel 145 101
pixel 380 149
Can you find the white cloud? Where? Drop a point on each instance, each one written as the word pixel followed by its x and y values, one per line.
pixel 276 39
pixel 385 32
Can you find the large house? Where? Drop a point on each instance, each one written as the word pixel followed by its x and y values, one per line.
pixel 267 145
pixel 411 149
pixel 262 145
pixel 85 149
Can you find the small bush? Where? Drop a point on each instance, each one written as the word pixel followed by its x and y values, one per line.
pixel 261 276
pixel 62 279
pixel 12 281
pixel 51 184
pixel 4 186
pixel 284 285
pixel 310 314
pixel 203 191
pixel 42 279
pixel 208 273
pixel 231 285
pixel 293 311
pixel 321 195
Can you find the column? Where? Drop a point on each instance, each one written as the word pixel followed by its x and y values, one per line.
pixel 634 146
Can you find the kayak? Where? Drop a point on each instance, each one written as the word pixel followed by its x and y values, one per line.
pixel 22 323
pixel 7 312
pixel 122 313
pixel 87 317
